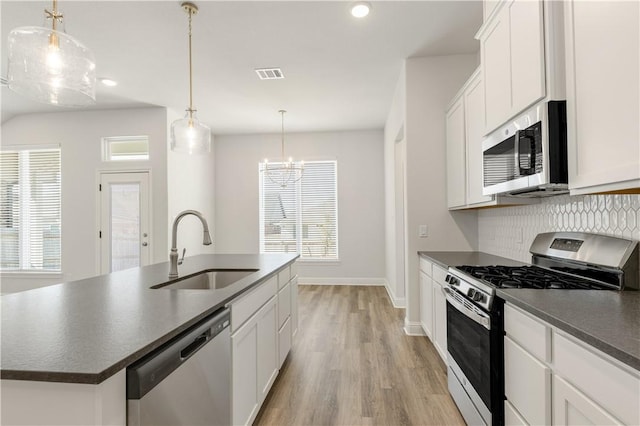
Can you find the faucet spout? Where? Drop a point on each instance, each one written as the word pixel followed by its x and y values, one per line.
pixel 173 255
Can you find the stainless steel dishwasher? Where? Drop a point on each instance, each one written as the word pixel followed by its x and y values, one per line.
pixel 186 381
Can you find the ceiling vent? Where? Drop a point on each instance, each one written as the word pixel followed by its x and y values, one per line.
pixel 269 73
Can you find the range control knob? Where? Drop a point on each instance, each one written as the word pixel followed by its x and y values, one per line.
pixel 454 281
pixel 478 297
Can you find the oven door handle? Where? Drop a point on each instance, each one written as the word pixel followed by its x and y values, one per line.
pixel 476 315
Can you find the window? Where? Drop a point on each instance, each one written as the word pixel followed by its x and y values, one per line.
pixel 125 148
pixel 30 209
pixel 303 217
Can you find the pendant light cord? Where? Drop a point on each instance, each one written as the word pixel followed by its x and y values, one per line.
pixel 190 11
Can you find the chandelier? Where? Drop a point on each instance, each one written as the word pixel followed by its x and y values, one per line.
pixel 284 172
pixel 189 134
pixel 49 65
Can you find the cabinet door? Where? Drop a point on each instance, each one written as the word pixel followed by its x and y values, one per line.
pixel 527 384
pixel 571 407
pixel 267 329
pixel 496 70
pixel 426 304
pixel 244 351
pixel 527 53
pixel 603 95
pixel 456 164
pixel 440 320
pixel 475 124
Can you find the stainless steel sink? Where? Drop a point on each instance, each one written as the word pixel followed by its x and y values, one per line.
pixel 210 280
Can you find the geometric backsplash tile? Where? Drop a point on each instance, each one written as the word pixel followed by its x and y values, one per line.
pixel 509 231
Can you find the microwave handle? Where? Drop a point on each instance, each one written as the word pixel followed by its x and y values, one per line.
pixel 525 152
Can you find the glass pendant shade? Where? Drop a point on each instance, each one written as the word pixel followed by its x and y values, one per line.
pixel 50 66
pixel 191 136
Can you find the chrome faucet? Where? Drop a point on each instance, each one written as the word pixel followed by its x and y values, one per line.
pixel 173 255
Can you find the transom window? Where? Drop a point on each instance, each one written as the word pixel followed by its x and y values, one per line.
pixel 303 216
pixel 30 209
pixel 125 148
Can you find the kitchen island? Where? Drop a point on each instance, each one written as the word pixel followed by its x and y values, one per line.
pixel 73 341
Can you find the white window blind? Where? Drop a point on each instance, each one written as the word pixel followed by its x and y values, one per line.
pixel 30 217
pixel 302 217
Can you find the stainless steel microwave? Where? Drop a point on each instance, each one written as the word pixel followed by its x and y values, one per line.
pixel 527 157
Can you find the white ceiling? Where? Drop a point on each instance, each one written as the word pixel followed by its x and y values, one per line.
pixel 340 71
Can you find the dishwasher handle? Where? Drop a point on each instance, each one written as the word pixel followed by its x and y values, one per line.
pixel 195 345
pixel 149 371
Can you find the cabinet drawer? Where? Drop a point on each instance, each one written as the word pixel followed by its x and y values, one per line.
pixel 439 274
pixel 284 341
pixel 530 333
pixel 527 384
pixel 425 266
pixel 614 389
pixel 283 277
pixel 284 304
pixel 242 309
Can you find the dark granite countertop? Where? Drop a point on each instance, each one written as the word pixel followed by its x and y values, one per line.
pixel 87 330
pixel 607 320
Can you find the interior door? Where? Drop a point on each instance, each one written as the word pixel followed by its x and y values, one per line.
pixel 124 221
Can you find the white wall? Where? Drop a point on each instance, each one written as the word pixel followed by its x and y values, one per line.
pixel 430 84
pixel 191 186
pixel 360 197
pixel 79 134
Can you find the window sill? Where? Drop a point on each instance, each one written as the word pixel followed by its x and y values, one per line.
pixel 319 262
pixel 30 274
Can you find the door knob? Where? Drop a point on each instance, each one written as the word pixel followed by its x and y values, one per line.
pixel 144 244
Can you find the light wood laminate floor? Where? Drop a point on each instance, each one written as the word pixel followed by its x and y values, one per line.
pixel 352 364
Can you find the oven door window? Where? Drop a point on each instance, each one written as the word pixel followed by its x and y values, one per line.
pixel 470 345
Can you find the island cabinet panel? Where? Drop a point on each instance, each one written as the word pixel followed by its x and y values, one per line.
pixel 244 352
pixel 267 324
pixel 426 304
pixel 294 306
pixel 49 403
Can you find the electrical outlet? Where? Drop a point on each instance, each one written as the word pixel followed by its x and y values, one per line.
pixel 518 235
pixel 423 231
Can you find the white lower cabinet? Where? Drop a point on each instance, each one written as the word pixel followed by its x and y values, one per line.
pixel 553 378
pixel 572 408
pixel 527 383
pixel 426 304
pixel 267 323
pixel 433 305
pixel 294 304
pixel 440 320
pixel 244 352
pixel 260 342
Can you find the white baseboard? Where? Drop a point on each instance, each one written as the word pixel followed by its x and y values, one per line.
pixel 397 302
pixel 341 281
pixel 413 328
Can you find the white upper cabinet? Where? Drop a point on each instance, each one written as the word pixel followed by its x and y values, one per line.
pixel 465 122
pixel 512 50
pixel 456 187
pixel 603 95
pixel 474 117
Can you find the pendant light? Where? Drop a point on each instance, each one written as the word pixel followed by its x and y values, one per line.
pixel 49 65
pixel 189 134
pixel 286 171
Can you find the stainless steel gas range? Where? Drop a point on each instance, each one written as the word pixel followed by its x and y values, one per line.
pixel 560 261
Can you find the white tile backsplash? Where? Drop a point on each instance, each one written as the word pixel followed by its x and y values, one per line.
pixel 509 231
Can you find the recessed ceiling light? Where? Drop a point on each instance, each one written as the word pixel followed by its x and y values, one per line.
pixel 360 9
pixel 108 82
